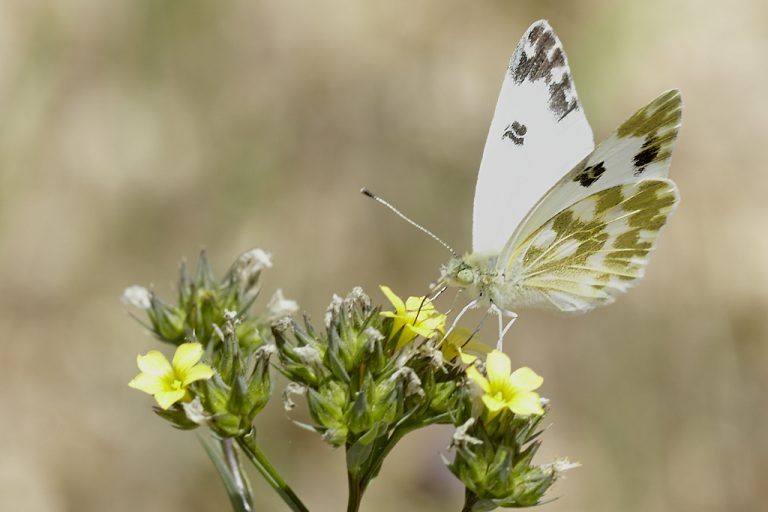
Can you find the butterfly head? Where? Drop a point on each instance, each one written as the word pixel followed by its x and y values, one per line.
pixel 460 272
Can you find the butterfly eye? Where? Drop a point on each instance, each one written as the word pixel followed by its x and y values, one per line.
pixel 465 276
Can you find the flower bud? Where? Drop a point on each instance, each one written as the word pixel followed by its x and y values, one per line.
pixel 327 406
pixel 243 277
pixel 167 322
pixel 279 307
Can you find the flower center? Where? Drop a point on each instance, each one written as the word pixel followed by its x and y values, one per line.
pixel 173 382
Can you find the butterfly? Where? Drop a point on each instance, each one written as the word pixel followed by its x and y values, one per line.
pixel 559 223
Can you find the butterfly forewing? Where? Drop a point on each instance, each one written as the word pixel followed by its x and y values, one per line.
pixel 537 134
pixel 641 148
pixel 590 252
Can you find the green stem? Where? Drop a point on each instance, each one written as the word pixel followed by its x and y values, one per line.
pixel 240 481
pixel 358 482
pixel 470 499
pixel 223 454
pixel 379 455
pixel 356 489
pixel 270 473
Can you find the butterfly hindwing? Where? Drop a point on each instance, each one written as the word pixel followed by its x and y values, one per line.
pixel 641 148
pixel 591 251
pixel 537 134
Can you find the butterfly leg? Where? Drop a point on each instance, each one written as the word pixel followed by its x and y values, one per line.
pixel 500 313
pixel 438 293
pixel 473 303
pixel 477 329
pixel 454 301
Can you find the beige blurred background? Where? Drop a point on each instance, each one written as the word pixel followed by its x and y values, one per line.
pixel 133 133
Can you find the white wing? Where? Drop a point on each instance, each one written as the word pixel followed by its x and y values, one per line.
pixel 589 238
pixel 538 133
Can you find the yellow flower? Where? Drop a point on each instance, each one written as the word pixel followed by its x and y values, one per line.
pixel 416 317
pixel 461 339
pixel 168 382
pixel 506 389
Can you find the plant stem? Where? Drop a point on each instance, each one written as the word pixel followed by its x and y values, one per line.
pixel 227 464
pixel 241 482
pixel 356 489
pixel 358 482
pixel 270 473
pixel 378 457
pixel 470 499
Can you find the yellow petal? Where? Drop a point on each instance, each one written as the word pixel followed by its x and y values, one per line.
pixel 435 322
pixel 450 352
pixel 198 372
pixel 467 358
pixel 405 338
pixel 420 305
pixel 526 404
pixel 154 363
pixel 525 379
pixel 476 377
pixel 422 330
pixel 165 399
pixel 477 346
pixel 187 356
pixel 492 404
pixel 459 336
pixel 497 366
pixel 397 324
pixel 147 383
pixel 394 299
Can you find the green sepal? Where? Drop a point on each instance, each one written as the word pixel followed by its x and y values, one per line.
pixel 227 425
pixel 237 403
pixel 359 419
pixel 357 455
pixel 176 416
pixel 167 321
pixel 335 363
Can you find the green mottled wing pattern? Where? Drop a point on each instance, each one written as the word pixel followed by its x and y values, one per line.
pixel 592 251
pixel 641 148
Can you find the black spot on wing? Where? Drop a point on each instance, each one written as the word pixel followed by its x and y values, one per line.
pixel 535 64
pixel 558 97
pixel 590 174
pixel 538 60
pixel 647 154
pixel 516 133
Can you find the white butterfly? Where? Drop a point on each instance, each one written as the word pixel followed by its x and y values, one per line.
pixel 558 222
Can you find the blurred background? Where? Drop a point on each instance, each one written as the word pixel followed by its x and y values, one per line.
pixel 134 133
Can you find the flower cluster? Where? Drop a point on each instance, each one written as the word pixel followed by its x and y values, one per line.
pixel 495 447
pixel 203 303
pixel 214 317
pixel 371 376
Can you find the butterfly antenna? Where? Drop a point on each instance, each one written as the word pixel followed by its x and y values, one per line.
pixel 376 198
